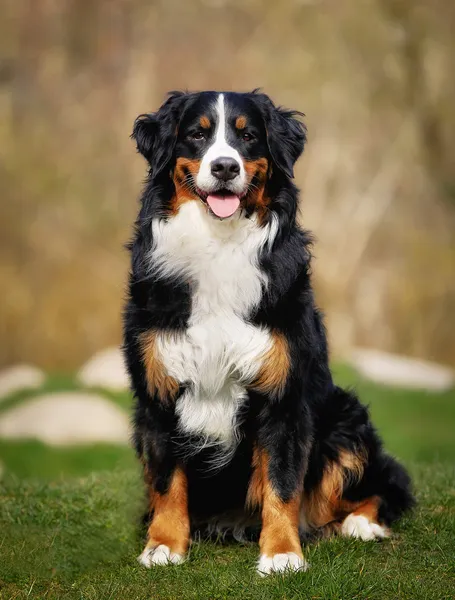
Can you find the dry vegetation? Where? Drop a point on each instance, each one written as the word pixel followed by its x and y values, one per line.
pixel 375 80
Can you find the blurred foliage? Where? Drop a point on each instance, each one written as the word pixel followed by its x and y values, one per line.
pixel 375 79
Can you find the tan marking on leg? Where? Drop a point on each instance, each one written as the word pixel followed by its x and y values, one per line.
pixel 255 488
pixel 159 382
pixel 325 504
pixel 171 524
pixel 369 508
pixel 204 122
pixel 274 371
pixel 280 520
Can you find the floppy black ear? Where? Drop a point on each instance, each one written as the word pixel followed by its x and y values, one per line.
pixel 156 133
pixel 286 135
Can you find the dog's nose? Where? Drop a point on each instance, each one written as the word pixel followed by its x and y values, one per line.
pixel 225 168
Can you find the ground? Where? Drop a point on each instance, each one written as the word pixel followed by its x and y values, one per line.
pixel 68 522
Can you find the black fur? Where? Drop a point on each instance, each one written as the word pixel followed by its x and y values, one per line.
pixel 286 135
pixel 314 420
pixel 155 133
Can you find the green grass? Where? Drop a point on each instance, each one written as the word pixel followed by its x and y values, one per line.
pixel 34 460
pixel 78 539
pixel 68 522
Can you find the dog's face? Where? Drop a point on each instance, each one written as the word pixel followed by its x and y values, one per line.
pixel 220 148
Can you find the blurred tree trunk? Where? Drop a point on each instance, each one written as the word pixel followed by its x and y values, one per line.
pixel 408 17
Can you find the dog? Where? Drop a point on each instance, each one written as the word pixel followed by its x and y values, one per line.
pixel 238 423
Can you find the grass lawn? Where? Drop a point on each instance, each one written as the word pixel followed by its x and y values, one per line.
pixel 68 523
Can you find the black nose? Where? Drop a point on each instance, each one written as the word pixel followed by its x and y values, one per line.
pixel 225 168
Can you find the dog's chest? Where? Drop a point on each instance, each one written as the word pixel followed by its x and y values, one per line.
pixel 221 351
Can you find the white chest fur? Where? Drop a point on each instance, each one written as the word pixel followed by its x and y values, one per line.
pixel 220 352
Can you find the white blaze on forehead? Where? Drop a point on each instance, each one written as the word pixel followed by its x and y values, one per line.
pixel 220 144
pixel 220 148
pixel 220 137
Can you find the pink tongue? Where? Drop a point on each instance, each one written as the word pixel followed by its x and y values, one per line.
pixel 223 206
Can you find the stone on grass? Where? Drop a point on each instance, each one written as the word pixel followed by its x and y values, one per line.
pixel 402 371
pixel 20 377
pixel 64 418
pixel 105 369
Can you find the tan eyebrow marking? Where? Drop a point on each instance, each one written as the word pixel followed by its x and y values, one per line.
pixel 240 122
pixel 204 122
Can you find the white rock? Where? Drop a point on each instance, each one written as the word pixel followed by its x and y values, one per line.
pixel 402 371
pixel 66 418
pixel 105 369
pixel 20 377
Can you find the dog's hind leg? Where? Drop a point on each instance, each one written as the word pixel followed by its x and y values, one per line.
pixel 352 486
pixel 362 522
pixel 370 518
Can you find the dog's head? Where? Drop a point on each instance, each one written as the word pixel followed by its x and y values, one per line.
pixel 220 148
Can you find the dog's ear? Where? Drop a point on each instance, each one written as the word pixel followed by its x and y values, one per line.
pixel 286 134
pixel 156 133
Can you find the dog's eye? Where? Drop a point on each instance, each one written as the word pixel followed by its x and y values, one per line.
pixel 247 137
pixel 198 136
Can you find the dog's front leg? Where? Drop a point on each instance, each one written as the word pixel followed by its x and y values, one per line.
pixel 279 462
pixel 168 535
pixel 280 458
pixel 279 543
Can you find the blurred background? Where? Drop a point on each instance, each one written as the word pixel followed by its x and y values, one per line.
pixel 375 79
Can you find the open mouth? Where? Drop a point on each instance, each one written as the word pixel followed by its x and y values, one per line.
pixel 223 203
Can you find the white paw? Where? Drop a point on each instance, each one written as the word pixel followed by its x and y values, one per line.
pixel 161 555
pixel 360 527
pixel 280 563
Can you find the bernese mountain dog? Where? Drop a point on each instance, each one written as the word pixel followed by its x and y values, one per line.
pixel 238 423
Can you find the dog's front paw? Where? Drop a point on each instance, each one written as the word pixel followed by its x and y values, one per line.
pixel 281 563
pixel 160 555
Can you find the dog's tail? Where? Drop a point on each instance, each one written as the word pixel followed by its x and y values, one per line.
pixel 396 494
